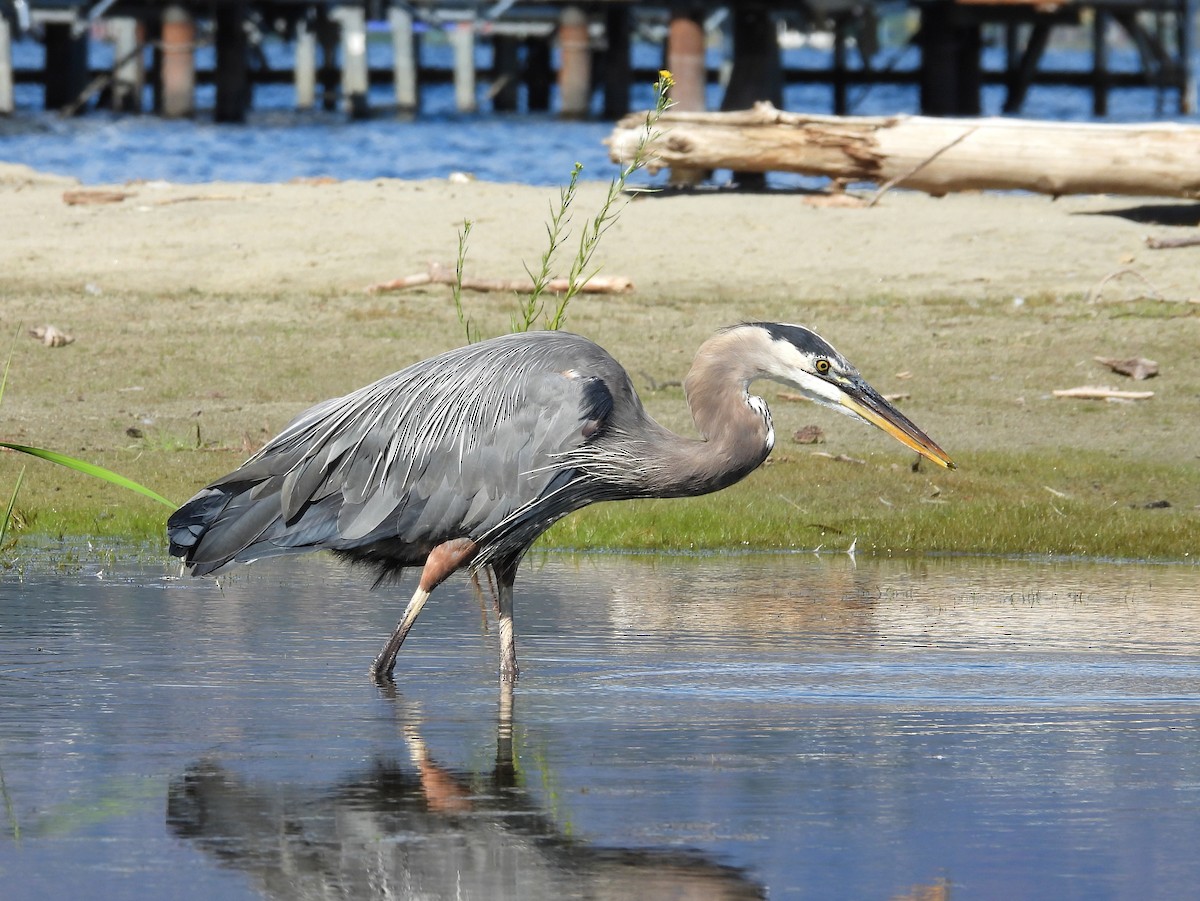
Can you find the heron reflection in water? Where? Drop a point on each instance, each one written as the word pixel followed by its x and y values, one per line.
pixel 464 459
pixel 417 828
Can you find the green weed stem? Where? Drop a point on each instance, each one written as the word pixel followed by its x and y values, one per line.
pixel 593 230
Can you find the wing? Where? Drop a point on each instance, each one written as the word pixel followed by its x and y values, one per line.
pixel 463 444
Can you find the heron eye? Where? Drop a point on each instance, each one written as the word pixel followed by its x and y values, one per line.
pixel 822 366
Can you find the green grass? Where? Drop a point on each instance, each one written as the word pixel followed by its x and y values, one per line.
pixel 1079 504
pixel 994 504
pixel 1037 475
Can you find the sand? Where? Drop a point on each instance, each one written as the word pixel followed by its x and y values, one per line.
pixel 330 238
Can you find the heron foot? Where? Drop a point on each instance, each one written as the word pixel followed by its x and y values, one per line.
pixel 381 668
pixel 385 661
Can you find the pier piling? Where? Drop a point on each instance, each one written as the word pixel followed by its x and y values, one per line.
pixel 463 36
pixel 353 22
pixel 66 60
pixel 617 69
pixel 404 53
pixel 6 69
pixel 539 74
pixel 575 64
pixel 129 81
pixel 685 59
pixel 232 72
pixel 177 70
pixel 506 73
pixel 328 36
pixel 304 71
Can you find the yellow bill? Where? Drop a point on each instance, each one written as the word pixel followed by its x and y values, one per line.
pixel 866 402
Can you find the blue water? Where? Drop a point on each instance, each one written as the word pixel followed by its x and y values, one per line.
pixel 279 143
pixel 720 727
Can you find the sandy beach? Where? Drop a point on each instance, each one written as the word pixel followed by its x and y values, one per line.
pixel 327 238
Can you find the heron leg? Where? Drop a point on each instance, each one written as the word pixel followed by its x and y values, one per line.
pixel 505 577
pixel 441 562
pixel 385 662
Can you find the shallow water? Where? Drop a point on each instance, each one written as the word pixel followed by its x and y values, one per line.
pixel 728 727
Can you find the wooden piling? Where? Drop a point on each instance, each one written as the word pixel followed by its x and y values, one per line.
pixel 841 28
pixel 404 59
pixel 66 67
pixel 304 73
pixel 617 66
pixel 7 101
pixel 684 56
pixel 1100 23
pixel 328 34
pixel 685 59
pixel 129 79
pixel 756 73
pixel 506 66
pixel 951 72
pixel 232 70
pixel 1021 72
pixel 177 72
pixel 539 73
pixel 353 20
pixel 463 37
pixel 1185 29
pixel 575 64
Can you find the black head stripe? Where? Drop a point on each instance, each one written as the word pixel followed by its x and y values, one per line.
pixel 799 337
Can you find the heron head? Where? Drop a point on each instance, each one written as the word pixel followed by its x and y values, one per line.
pixel 800 357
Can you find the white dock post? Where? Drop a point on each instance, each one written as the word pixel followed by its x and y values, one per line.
pixel 463 37
pixel 353 20
pixel 6 71
pixel 404 62
pixel 304 72
pixel 130 78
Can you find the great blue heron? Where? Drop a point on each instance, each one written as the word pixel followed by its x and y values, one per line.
pixel 464 459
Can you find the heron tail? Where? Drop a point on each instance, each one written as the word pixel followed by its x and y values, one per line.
pixel 215 526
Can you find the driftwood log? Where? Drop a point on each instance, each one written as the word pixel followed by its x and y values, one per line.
pixel 934 155
pixel 1170 243
pixel 1090 392
pixel 438 274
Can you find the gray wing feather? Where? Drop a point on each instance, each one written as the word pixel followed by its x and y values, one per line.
pixel 463 444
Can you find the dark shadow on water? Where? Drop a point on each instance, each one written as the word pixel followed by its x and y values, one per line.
pixel 419 829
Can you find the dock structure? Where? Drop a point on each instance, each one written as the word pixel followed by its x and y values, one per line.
pixel 581 49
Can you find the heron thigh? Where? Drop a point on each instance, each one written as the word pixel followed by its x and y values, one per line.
pixel 445 559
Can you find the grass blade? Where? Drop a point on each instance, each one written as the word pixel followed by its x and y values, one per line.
pixel 8 362
pixel 12 502
pixel 90 469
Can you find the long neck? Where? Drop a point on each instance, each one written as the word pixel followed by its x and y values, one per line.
pixel 735 428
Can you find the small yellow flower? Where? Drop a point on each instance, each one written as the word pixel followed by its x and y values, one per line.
pixel 666 79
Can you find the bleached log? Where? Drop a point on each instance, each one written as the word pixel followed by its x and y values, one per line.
pixel 444 275
pixel 92 196
pixel 934 155
pixel 1089 392
pixel 1171 243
